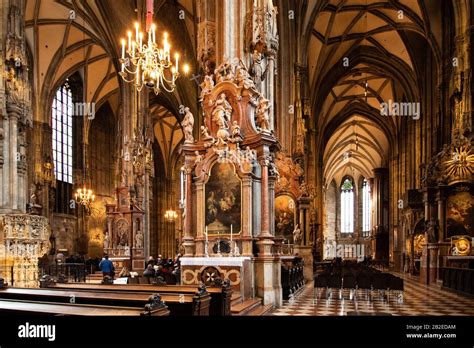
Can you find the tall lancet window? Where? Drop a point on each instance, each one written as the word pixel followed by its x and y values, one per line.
pixel 62 126
pixel 347 206
pixel 62 112
pixel 366 208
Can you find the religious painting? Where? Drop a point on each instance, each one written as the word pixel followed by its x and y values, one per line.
pixel 284 216
pixel 460 214
pixel 223 200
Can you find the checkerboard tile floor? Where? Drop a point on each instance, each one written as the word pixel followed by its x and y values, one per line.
pixel 418 299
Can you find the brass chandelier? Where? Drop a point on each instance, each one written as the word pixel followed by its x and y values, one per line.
pixel 148 64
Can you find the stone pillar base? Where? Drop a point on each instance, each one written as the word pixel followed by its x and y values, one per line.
pixel 433 251
pixel 265 246
pixel 305 252
pixel 189 246
pixel 268 280
pixel 424 266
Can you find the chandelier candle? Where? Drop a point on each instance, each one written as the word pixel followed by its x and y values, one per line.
pixel 147 64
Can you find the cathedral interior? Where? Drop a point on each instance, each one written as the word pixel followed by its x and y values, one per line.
pixel 287 157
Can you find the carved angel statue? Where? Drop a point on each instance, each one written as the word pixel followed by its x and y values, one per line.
pixel 206 86
pixel 222 112
pixel 244 79
pixel 205 133
pixel 188 125
pixel 236 135
pixel 198 158
pixel 263 120
pixel 297 235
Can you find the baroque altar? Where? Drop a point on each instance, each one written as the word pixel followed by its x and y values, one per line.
pixel 229 187
pixel 124 235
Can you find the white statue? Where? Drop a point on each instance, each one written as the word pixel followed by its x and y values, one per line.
pixel 222 112
pixel 106 240
pixel 188 125
pixel 205 133
pixel 297 236
pixel 139 240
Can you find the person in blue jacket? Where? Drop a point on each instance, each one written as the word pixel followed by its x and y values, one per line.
pixel 107 266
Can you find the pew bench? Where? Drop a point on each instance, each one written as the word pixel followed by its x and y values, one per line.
pixel 196 304
pixel 220 296
pixel 63 309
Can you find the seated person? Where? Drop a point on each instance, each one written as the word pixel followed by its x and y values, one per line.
pixel 151 261
pixel 124 273
pixel 149 272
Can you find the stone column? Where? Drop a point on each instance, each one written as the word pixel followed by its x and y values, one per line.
pixel 429 200
pixel 247 201
pixel 267 267
pixel 441 198
pixel 5 192
pixel 380 214
pixel 305 250
pixel 13 113
pixel 200 220
pixel 188 240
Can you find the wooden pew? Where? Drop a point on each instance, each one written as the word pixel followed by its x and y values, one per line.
pixel 196 304
pixel 50 308
pixel 220 296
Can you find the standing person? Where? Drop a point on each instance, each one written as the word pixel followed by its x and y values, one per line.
pixel 106 266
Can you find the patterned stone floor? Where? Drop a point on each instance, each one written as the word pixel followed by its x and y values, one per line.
pixel 418 299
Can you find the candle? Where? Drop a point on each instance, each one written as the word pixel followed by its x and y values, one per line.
pixel 123 54
pixel 153 33
pixel 136 31
pixel 141 40
pixel 231 234
pixel 133 49
pixel 177 57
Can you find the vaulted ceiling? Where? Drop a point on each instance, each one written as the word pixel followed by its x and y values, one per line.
pixel 358 57
pixel 65 36
pixel 168 132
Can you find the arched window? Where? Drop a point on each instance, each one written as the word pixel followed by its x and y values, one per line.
pixel 62 133
pixel 366 208
pixel 347 206
pixel 62 112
